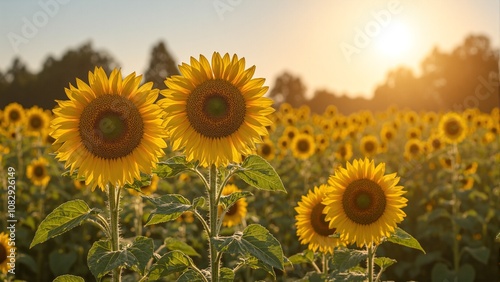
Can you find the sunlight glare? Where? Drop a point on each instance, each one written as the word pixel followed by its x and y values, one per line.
pixel 395 40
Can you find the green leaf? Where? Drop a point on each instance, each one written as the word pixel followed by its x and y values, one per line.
pixel 306 256
pixel 169 263
pixel 481 254
pixel 255 263
pixel 142 249
pixel 173 166
pixel 199 202
pixel 68 278
pixel 497 238
pixel 440 272
pixel 228 200
pixel 98 258
pixel 226 275
pixel 137 184
pixel 384 262
pixel 191 276
pixel 346 259
pixel 63 218
pixel 401 237
pixel 466 273
pixel 168 207
pixel 177 245
pixel 257 172
pixel 256 241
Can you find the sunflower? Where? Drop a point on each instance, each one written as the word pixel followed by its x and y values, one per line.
pixel 452 128
pixel 37 172
pixel 344 152
pixel 363 203
pixel 148 189
pixel 237 212
pixel 13 114
pixel 36 121
pixel 330 111
pixel 322 142
pixel 413 133
pixel 5 249
pixel 110 130
pixel 290 132
pixel 467 183
pixel 387 133
pixel 312 229
pixel 413 149
pixel 303 146
pixel 369 145
pixel 434 143
pixel 266 150
pixel 216 112
pixel 283 143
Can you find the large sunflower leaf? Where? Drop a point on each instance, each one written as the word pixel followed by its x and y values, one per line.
pixel 229 200
pixel 257 172
pixel 62 219
pixel 191 276
pixel 345 259
pixel 256 241
pixel 177 245
pixel 168 207
pixel 68 278
pixel 171 262
pixel 142 249
pixel 173 166
pixel 482 254
pixel 401 237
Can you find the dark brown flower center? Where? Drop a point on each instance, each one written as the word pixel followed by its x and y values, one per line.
pixel 36 122
pixel 14 115
pixel 39 171
pixel 369 146
pixel 303 145
pixel 111 127
pixel 318 222
pixel 216 108
pixel 414 149
pixel 452 127
pixel 233 209
pixel 364 201
pixel 266 149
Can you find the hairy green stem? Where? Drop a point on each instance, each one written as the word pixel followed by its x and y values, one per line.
pixel 114 216
pixel 371 255
pixel 213 214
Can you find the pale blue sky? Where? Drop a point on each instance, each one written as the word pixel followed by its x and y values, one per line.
pixel 307 38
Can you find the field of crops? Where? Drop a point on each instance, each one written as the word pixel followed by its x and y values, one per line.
pixel 450 174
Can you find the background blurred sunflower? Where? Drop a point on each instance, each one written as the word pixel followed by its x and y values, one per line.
pixel 110 130
pixel 13 114
pixel 303 146
pixel 266 150
pixel 452 128
pixel 369 145
pixel 237 212
pixel 36 121
pixel 312 228
pixel 363 203
pixel 37 172
pixel 4 252
pixel 216 113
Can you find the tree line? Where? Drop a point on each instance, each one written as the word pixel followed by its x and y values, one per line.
pixel 468 76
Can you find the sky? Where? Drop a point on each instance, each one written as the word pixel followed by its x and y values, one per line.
pixel 346 47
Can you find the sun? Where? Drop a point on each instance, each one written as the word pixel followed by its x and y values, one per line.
pixel 395 39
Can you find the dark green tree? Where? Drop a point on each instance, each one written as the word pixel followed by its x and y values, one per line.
pixel 161 65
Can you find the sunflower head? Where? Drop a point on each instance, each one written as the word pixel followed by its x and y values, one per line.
pixel 413 149
pixel 363 203
pixel 369 145
pixel 5 250
pixel 36 121
pixel 266 150
pixel 237 212
pixel 452 128
pixel 110 129
pixel 303 146
pixel 312 228
pixel 216 112
pixel 13 114
pixel 37 172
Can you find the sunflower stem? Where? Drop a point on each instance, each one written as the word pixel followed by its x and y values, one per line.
pixel 212 201
pixel 114 215
pixel 455 210
pixel 138 215
pixel 371 255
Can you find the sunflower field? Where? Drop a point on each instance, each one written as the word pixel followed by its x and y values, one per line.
pixel 206 181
